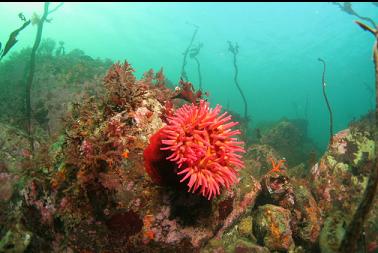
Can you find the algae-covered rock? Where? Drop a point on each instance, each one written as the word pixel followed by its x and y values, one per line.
pixel 259 158
pixel 277 189
pixel 13 145
pixel 245 226
pixel 236 245
pixel 243 246
pixel 6 186
pixel 289 138
pixel 332 232
pixel 272 227
pixel 16 240
pixel 340 177
pixel 295 196
pixel 99 196
pixel 307 222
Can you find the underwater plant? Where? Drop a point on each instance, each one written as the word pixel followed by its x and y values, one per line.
pixel 193 54
pixel 186 92
pixel 13 37
pixel 202 145
pixel 347 8
pixel 327 102
pixel 183 72
pixel 29 81
pixel 60 50
pixel 355 228
pixel 235 50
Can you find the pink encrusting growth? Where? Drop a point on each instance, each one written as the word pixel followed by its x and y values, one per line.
pixel 203 146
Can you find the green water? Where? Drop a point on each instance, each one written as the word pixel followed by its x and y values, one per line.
pixel 279 47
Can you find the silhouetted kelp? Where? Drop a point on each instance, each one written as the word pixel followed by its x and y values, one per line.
pixel 193 54
pixel 327 102
pixel 13 37
pixel 347 7
pixel 184 76
pixel 60 50
pixel 235 50
pixel 30 77
pixel 355 228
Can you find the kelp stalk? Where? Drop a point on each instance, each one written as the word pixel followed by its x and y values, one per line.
pixel 355 227
pixel 29 81
pixel 199 72
pixel 183 72
pixel 327 103
pixel 193 54
pixel 235 50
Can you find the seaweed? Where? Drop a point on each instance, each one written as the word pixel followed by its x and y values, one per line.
pixel 235 50
pixel 186 92
pixel 183 72
pixel 347 8
pixel 193 54
pixel 29 81
pixel 327 102
pixel 61 50
pixel 13 38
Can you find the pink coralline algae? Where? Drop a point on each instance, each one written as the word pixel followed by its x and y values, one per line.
pixel 203 146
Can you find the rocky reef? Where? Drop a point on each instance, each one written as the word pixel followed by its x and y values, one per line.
pixel 289 138
pixel 60 79
pixel 87 189
pixel 339 180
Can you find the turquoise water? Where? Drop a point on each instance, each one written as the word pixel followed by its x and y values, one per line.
pixel 279 47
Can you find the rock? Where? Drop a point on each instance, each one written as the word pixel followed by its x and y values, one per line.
pixel 101 195
pixel 242 246
pixel 272 227
pixel 239 206
pixel 289 138
pixel 295 196
pixel 16 240
pixel 90 189
pixel 332 232
pixel 339 179
pixel 236 244
pixel 6 186
pixel 13 145
pixel 259 158
pixel 300 171
pixel 307 223
pixel 278 190
pixel 245 226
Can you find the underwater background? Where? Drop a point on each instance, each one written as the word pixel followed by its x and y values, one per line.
pixel 188 127
pixel 279 47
